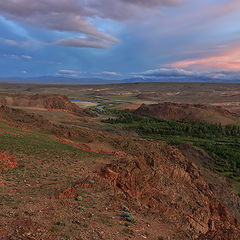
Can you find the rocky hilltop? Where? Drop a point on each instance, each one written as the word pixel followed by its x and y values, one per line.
pixel 161 180
pixel 46 101
pixel 188 112
pixel 21 117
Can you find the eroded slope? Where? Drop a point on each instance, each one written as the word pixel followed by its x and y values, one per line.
pixel 188 112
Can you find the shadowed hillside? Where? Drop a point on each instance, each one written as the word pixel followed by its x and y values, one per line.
pixel 188 112
pixel 43 101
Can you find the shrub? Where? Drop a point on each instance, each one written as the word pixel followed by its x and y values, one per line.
pixel 81 208
pixel 128 217
pixel 125 209
pixel 79 198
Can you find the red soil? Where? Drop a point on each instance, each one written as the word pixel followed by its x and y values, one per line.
pixel 69 193
pixel 5 131
pixel 73 144
pixel 21 127
pixel 7 160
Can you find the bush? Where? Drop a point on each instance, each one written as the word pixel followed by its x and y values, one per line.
pixel 128 217
pixel 79 198
pixel 81 208
pixel 125 209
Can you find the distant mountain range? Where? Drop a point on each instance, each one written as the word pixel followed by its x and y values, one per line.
pixel 69 80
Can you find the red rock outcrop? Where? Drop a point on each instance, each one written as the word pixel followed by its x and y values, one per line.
pixel 7 161
pixel 223 188
pixel 166 183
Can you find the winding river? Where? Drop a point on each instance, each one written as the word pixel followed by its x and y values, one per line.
pixel 102 102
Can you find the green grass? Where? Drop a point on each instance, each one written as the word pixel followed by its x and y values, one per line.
pixel 81 208
pixel 36 143
pixel 45 166
pixel 41 157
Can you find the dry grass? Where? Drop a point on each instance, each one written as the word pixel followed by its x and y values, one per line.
pixel 85 104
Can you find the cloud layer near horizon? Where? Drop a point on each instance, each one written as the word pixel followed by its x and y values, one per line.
pixel 171 73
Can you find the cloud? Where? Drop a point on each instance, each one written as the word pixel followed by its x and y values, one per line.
pixel 26 57
pixel 194 21
pixel 83 43
pixel 10 42
pixel 176 74
pixel 62 15
pixel 24 72
pixel 68 73
pixel 112 74
pixel 153 3
pixel 129 9
pixel 227 58
pixel 225 75
pixel 12 56
pixel 17 57
pixel 75 16
pixel 161 72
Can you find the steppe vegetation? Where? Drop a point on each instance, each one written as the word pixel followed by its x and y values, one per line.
pixel 104 173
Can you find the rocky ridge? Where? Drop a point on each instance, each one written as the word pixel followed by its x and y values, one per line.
pixel 163 181
pixel 188 112
pixel 46 101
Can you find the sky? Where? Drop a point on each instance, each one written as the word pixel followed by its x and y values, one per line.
pixel 120 39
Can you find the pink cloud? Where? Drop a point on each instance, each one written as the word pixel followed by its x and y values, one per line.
pixel 227 58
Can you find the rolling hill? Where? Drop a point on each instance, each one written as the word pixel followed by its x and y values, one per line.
pixel 188 112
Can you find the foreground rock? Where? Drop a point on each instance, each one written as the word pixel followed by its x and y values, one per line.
pixel 166 183
pixel 222 187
